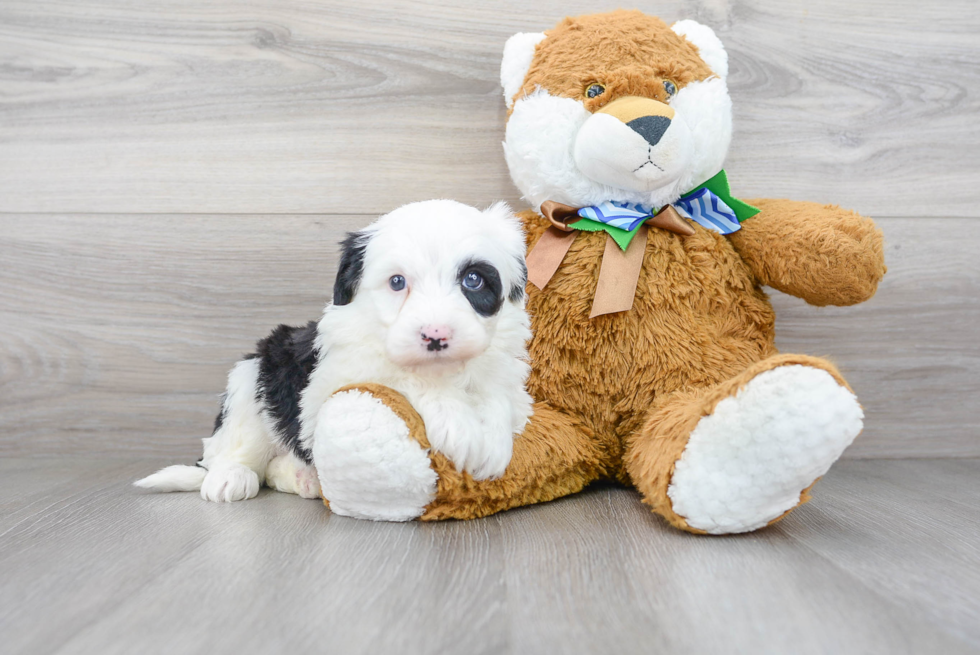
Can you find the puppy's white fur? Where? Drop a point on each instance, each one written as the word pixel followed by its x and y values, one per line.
pixel 469 391
pixel 471 396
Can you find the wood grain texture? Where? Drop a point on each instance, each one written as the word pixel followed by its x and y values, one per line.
pixel 279 106
pixel 116 332
pixel 884 560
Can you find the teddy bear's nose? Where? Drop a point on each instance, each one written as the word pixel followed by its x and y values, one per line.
pixel 651 128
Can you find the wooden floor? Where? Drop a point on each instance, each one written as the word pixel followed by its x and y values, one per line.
pixel 886 559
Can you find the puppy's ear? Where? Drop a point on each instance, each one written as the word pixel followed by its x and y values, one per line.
pixel 517 289
pixel 510 234
pixel 518 53
pixel 351 267
pixel 708 44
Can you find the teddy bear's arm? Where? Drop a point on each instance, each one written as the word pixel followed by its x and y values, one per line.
pixel 555 456
pixel 820 253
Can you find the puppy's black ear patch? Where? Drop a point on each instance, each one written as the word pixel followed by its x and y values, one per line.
pixel 351 267
pixel 517 290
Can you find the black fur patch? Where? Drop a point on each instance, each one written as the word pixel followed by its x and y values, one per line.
pixel 287 357
pixel 517 291
pixel 351 267
pixel 220 418
pixel 486 301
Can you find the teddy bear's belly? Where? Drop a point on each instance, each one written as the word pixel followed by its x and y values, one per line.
pixel 697 319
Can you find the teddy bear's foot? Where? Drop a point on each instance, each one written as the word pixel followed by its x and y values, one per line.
pixel 370 466
pixel 751 460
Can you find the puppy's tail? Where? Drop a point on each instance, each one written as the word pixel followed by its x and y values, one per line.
pixel 174 478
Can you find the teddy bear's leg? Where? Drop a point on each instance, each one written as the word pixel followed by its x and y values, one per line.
pixel 742 454
pixel 375 462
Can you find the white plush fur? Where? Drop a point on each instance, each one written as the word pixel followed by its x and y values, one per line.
pixel 518 53
pixel 471 396
pixel 557 150
pixel 709 46
pixel 369 467
pixel 748 461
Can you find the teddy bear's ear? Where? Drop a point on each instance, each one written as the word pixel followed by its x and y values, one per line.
pixel 708 44
pixel 518 53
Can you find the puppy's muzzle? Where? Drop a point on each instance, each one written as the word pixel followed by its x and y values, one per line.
pixel 436 337
pixel 648 118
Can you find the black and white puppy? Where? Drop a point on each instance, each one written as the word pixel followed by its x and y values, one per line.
pixel 428 300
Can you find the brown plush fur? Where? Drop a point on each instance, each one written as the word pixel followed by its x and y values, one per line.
pixel 571 463
pixel 578 53
pixel 618 395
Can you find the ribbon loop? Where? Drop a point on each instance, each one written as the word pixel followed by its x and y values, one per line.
pixel 711 205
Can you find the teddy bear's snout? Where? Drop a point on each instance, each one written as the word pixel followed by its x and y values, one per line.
pixel 634 143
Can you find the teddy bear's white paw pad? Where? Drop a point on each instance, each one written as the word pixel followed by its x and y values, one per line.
pixel 368 465
pixel 748 461
pixel 227 483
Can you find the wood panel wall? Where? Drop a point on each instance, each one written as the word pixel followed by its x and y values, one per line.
pixel 174 177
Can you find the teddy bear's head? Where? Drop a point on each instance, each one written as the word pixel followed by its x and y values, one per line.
pixel 617 106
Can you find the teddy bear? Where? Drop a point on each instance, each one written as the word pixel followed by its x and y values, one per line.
pixel 653 360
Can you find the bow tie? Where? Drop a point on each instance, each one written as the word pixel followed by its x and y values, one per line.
pixel 710 205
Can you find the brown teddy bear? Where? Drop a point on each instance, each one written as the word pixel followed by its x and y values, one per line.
pixel 653 356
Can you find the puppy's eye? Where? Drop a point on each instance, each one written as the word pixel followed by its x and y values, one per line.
pixel 594 90
pixel 396 282
pixel 473 281
pixel 670 87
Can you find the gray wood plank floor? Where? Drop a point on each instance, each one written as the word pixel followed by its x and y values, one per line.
pixel 886 559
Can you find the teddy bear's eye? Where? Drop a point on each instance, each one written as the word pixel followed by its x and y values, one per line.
pixel 594 90
pixel 670 87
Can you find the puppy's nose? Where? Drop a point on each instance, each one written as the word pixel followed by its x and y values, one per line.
pixel 436 337
pixel 651 128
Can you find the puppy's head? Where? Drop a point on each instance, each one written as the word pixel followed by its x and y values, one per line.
pixel 615 106
pixel 434 282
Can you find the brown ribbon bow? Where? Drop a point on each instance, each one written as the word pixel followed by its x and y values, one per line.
pixel 619 272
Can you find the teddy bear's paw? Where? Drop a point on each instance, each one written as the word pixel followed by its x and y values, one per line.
pixel 748 462
pixel 369 467
pixel 289 474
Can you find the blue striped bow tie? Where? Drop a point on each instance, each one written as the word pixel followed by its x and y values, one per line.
pixel 711 205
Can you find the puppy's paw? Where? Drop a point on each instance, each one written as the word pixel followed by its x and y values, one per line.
pixel 369 466
pixel 307 482
pixel 479 445
pixel 227 483
pixel 291 475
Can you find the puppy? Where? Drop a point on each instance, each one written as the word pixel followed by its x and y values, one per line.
pixel 428 300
